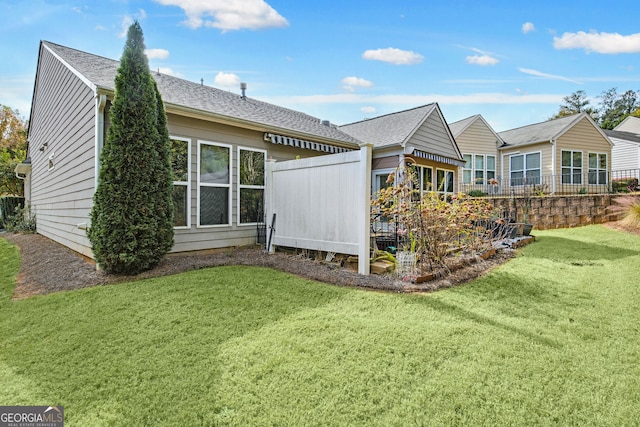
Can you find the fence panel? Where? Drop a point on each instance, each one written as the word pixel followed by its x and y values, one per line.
pixel 322 203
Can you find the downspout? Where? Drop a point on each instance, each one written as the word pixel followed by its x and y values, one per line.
pixel 553 166
pixel 101 101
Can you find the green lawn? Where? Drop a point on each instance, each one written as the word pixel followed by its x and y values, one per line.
pixel 551 338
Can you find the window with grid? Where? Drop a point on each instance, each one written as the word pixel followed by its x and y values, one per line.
pixel 525 169
pixel 250 185
pixel 597 168
pixel 180 168
pixel 571 167
pixel 214 184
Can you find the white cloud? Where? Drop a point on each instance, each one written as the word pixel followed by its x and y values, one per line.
pixel 608 43
pixel 228 15
pixel 168 71
pixel 393 56
pixel 157 53
pixel 527 27
pixel 368 110
pixel 350 83
pixel 481 60
pixel 546 75
pixel 227 79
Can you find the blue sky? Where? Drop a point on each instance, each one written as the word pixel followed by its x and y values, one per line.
pixel 510 61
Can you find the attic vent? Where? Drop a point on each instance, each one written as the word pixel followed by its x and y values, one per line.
pixel 326 123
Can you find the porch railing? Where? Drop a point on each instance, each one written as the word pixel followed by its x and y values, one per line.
pixel 600 182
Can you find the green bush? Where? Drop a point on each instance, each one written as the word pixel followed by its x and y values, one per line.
pixel 8 206
pixel 624 185
pixel 22 221
pixel 477 193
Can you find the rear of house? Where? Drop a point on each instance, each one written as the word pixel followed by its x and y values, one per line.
pixel 220 144
pixel 569 155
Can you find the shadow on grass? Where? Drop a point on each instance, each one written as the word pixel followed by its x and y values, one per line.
pixel 576 251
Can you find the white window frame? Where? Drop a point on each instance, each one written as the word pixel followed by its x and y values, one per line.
pixel 525 170
pixel 468 169
pixel 227 186
pixel 453 183
pixel 571 168
pixel 486 167
pixel 187 182
pixel 375 182
pixel 597 170
pixel 242 186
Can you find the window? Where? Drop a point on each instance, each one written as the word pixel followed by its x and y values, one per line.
pixel 571 167
pixel 214 184
pixel 478 168
pixel 250 185
pixel 181 168
pixel 525 169
pixel 467 169
pixel 491 168
pixel 445 181
pixel 597 168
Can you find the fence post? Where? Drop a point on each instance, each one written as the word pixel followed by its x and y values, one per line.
pixel 268 198
pixel 364 209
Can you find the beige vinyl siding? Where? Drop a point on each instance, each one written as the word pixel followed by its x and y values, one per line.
pixel 63 117
pixel 200 238
pixel 582 137
pixel 479 139
pixel 546 154
pixel 433 137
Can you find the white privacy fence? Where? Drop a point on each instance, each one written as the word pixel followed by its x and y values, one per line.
pixel 322 203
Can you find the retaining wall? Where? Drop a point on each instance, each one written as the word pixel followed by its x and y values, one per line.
pixel 549 212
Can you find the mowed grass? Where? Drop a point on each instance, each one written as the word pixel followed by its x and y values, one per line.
pixel 551 338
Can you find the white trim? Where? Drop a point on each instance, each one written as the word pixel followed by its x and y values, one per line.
pixel 188 181
pixel 242 186
pixel 77 73
pixel 437 184
pixel 228 186
pixel 101 101
pixel 377 172
pixel 524 170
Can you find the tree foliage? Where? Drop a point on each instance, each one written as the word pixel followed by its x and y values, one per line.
pixel 577 102
pixel 132 217
pixel 612 109
pixel 13 150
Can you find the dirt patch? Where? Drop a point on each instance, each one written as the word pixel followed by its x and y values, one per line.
pixel 47 267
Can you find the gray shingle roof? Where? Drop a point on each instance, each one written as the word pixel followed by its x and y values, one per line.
pixel 183 93
pixel 390 129
pixel 458 127
pixel 539 132
pixel 625 136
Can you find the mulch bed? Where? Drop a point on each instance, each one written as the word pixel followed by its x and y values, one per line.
pixel 47 267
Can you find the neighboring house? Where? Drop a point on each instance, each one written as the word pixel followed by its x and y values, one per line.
pixel 419 136
pixel 625 154
pixel 562 156
pixel 220 143
pixel 479 144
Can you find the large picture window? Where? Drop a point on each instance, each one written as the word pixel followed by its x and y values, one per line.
pixel 597 168
pixel 571 167
pixel 251 164
pixel 214 184
pixel 525 169
pixel 180 167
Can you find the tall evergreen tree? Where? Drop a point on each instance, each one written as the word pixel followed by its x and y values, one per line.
pixel 132 217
